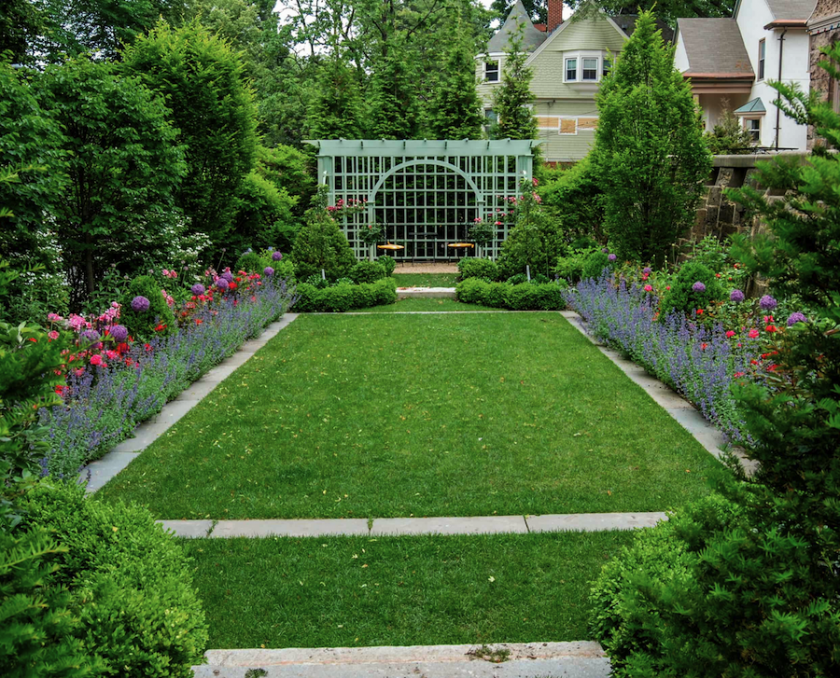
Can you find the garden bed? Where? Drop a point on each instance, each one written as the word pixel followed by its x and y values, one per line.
pixel 439 415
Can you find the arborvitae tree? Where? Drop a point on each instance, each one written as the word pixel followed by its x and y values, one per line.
pixel 512 99
pixel 336 108
pixel 455 111
pixel 649 154
pixel 395 111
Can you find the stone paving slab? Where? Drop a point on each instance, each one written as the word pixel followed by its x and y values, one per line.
pixel 474 525
pixel 188 529
pixel 102 470
pixel 592 522
pixel 525 660
pixel 291 528
pixel 426 293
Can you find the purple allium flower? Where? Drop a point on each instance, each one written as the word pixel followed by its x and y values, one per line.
pixel 737 296
pixel 140 304
pixel 698 287
pixel 768 303
pixel 222 283
pixel 796 317
pixel 612 257
pixel 90 336
pixel 198 289
pixel 227 275
pixel 647 270
pixel 268 270
pixel 120 333
pixel 277 256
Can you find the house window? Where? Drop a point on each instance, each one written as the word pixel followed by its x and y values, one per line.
pixel 762 53
pixel 753 126
pixel 590 69
pixel 571 70
pixel 491 71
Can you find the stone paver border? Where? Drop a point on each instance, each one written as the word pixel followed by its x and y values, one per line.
pixel 397 527
pixel 102 470
pixel 426 293
pixel 584 659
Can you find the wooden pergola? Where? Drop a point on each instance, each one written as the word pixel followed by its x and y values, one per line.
pixel 425 194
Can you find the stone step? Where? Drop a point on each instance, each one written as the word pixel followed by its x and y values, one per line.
pixel 520 660
pixel 426 293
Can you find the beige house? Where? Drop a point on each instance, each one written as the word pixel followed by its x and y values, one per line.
pixel 568 58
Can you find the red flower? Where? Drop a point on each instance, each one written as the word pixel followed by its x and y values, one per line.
pixel 770 328
pixel 704 346
pixel 160 328
pixel 739 374
pixel 60 389
pixel 96 360
pixel 148 347
pixel 699 311
pixel 730 334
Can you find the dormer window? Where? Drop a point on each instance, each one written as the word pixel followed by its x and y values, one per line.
pixel 491 71
pixel 571 70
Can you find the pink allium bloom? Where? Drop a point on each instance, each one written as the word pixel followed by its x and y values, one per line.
pixel 753 333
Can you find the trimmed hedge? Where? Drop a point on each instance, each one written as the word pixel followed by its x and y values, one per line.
pixel 477 268
pixel 522 297
pixel 367 272
pixel 137 609
pixel 343 297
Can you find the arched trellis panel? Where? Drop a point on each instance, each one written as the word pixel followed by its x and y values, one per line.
pixel 426 194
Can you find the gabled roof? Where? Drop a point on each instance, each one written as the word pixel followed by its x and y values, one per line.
pixel 791 10
pixel 715 49
pixel 531 39
pixel 627 23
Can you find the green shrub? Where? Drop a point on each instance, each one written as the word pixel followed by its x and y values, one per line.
pixel 595 264
pixel 534 241
pixel 131 582
pixel 477 268
pixel 495 295
pixel 251 262
pixel 343 297
pixel 471 290
pixel 306 296
pixel 388 262
pixel 518 279
pixel 530 297
pixel 367 272
pixel 385 292
pixel 320 244
pixel 336 299
pixel 540 279
pixel 683 298
pixel 142 324
pixel 317 282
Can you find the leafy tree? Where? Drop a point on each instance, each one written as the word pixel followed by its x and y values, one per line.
pixel 575 199
pixel 124 166
pixel 668 10
pixel 290 170
pixel 511 100
pixel 455 110
pixel 264 216
pixel 534 240
pixel 201 78
pixel 320 244
pixel 21 22
pixel 394 108
pixel 649 153
pixel 336 109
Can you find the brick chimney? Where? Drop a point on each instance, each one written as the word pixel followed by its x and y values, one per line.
pixel 555 15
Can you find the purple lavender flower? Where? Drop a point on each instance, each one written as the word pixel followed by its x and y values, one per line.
pixel 140 304
pixel 198 289
pixel 796 317
pixel 612 257
pixel 90 337
pixel 227 275
pixel 768 303
pixel 277 256
pixel 268 270
pixel 222 283
pixel 119 333
pixel 647 270
pixel 737 296
pixel 698 287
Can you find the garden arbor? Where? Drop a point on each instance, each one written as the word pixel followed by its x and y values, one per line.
pixel 425 195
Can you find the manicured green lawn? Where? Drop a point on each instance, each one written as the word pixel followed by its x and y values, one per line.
pixel 425 279
pixel 354 591
pixel 447 415
pixel 438 305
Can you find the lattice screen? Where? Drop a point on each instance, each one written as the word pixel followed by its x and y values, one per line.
pixel 426 194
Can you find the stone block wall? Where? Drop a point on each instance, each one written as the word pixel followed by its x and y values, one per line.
pixel 820 80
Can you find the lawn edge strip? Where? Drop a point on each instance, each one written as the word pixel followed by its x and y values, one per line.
pixel 680 409
pixel 399 527
pixel 99 472
pixel 409 654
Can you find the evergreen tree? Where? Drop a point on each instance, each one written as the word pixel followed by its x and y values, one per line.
pixel 456 111
pixel 395 110
pixel 649 154
pixel 320 244
pixel 336 109
pixel 512 99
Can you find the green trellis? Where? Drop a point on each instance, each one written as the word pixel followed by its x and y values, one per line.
pixel 426 194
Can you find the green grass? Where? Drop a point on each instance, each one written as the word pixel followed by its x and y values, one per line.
pixel 425 279
pixel 438 305
pixel 355 591
pixel 423 415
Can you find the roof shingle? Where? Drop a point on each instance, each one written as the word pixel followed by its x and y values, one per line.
pixel 714 47
pixel 532 38
pixel 792 10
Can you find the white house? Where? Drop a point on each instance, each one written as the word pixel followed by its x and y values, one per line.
pixel 731 61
